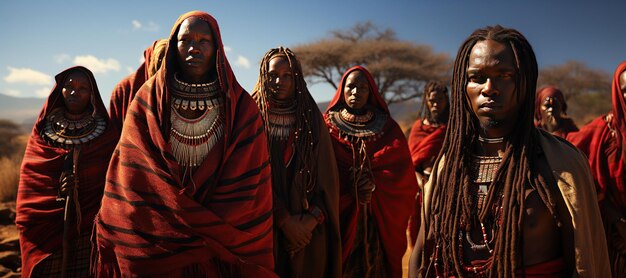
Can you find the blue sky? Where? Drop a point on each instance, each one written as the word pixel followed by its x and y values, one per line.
pixel 42 38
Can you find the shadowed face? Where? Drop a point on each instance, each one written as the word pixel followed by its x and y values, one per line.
pixel 196 50
pixel 491 75
pixel 437 103
pixel 551 107
pixel 76 92
pixel 622 83
pixel 356 90
pixel 281 78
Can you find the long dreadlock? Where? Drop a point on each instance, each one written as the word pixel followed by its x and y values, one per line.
pixel 424 112
pixel 451 188
pixel 306 112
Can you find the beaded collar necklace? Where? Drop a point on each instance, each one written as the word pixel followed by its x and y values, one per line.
pixel 65 133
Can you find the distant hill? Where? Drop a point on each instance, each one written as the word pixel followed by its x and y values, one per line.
pixel 22 111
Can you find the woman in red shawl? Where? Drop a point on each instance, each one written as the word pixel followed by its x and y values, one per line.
pixel 377 178
pixel 183 196
pixel 125 91
pixel 602 141
pixel 551 112
pixel 305 181
pixel 64 168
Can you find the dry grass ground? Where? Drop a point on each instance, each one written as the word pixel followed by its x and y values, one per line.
pixel 10 169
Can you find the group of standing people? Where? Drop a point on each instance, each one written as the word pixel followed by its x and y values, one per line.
pixel 191 176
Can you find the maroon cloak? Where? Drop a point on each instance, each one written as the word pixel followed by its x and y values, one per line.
pixel 393 199
pixel 219 221
pixel 125 91
pixel 39 215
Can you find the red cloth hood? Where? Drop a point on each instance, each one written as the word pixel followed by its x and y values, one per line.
pixel 548 91
pixel 375 98
pixel 39 216
pixel 597 140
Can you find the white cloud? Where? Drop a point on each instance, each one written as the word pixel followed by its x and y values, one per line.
pixel 43 92
pixel 136 24
pixel 149 27
pixel 61 58
pixel 97 65
pixel 12 92
pixel 227 49
pixel 27 76
pixel 242 62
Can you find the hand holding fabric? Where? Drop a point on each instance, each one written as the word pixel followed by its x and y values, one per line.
pixel 296 232
pixel 365 188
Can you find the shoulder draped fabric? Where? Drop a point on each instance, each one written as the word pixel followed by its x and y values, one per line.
pixel 602 141
pixel 575 184
pixel 566 125
pixel 151 223
pixel 39 215
pixel 394 176
pixel 596 137
pixel 425 142
pixel 322 256
pixel 125 91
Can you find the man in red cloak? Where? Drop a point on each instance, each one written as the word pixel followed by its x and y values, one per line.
pixel 377 178
pixel 426 139
pixel 602 141
pixel 67 154
pixel 551 112
pixel 125 91
pixel 184 197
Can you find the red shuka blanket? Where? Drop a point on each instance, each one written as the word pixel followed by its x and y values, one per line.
pixel 394 198
pixel 423 144
pixel 39 215
pixel 602 142
pixel 125 91
pixel 151 223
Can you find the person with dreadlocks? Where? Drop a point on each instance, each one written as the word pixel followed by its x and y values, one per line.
pixel 505 198
pixel 377 178
pixel 126 90
pixel 551 112
pixel 425 141
pixel 62 177
pixel 188 190
pixel 603 142
pixel 305 180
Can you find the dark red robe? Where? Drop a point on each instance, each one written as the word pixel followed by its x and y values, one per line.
pixel 39 215
pixel 393 199
pixel 125 91
pixel 423 145
pixel 566 125
pixel 425 142
pixel 219 222
pixel 602 141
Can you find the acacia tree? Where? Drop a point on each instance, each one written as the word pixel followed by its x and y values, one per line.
pixel 587 90
pixel 400 68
